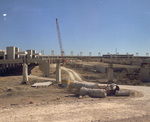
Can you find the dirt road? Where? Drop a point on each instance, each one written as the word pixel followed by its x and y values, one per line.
pixel 73 75
pixel 120 109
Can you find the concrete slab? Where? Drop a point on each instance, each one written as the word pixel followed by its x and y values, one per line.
pixel 42 84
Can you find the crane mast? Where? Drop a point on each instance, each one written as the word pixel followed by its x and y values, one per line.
pixel 60 43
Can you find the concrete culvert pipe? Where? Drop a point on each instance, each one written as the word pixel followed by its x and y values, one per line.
pixel 100 93
pixel 74 88
pixel 79 85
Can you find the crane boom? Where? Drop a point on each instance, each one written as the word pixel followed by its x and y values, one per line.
pixel 60 43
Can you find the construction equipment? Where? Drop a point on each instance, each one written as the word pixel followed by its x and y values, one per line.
pixel 60 43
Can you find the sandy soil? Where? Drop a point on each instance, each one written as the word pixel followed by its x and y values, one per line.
pixel 73 75
pixel 23 103
pixel 123 74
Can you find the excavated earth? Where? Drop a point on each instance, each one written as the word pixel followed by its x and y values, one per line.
pixel 23 103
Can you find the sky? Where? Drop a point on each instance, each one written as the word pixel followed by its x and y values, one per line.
pixel 104 26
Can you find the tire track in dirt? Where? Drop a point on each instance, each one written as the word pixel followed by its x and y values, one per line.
pixel 73 75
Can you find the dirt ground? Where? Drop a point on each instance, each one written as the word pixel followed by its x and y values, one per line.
pixel 23 103
pixel 123 74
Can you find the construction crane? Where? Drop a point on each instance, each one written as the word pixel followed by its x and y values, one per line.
pixel 60 44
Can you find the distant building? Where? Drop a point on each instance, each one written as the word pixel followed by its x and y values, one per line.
pixel 16 53
pixel 2 54
pixel 118 56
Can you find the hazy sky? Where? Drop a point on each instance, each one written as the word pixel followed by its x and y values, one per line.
pixel 85 25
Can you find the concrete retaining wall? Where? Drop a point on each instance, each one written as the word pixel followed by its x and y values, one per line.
pixel 145 74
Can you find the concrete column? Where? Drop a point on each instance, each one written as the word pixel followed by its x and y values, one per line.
pixel 2 68
pixel 13 66
pixel 46 69
pixel 110 72
pixel 58 72
pixel 5 68
pixel 25 73
pixel 40 66
pixel 8 67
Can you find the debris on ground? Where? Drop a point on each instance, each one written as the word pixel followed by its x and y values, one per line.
pixel 96 90
pixel 64 83
pixel 111 89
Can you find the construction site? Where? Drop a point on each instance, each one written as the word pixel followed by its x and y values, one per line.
pixel 37 87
